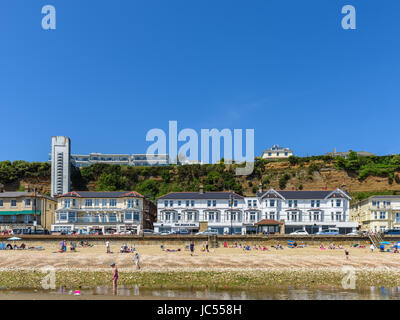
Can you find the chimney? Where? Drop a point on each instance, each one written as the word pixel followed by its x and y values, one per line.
pixel 260 187
pixel 201 188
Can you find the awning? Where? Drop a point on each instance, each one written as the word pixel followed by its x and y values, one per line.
pixel 268 222
pixel 13 213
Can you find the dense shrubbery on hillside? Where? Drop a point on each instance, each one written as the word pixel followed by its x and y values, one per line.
pixel 13 171
pixel 385 166
pixel 155 181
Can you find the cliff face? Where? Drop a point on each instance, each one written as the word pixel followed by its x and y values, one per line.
pixel 313 175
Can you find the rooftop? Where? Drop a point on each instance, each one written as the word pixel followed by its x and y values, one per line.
pixel 215 195
pixel 301 195
pixel 101 194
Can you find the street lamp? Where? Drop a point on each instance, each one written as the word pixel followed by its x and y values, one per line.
pixel 35 206
pixel 231 203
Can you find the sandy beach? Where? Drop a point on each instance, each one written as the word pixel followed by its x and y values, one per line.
pixel 221 267
pixel 154 259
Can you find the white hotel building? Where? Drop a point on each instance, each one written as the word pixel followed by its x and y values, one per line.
pixel 108 212
pixel 229 212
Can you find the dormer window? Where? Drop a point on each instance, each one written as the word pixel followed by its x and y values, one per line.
pixel 272 203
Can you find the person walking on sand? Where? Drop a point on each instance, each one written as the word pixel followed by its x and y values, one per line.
pixel 115 277
pixel 372 247
pixel 108 246
pixel 191 249
pixel 207 246
pixel 346 252
pixel 136 259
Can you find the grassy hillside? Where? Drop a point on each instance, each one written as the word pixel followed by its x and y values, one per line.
pixel 363 176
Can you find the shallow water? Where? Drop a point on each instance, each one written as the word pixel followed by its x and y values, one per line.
pixel 287 293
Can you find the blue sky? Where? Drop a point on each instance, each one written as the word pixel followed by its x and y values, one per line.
pixel 112 70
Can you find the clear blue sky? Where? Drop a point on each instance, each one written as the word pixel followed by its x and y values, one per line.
pixel 112 70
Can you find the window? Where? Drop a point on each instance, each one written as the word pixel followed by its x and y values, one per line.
pixel 382 215
pixel 252 216
pixel 179 216
pixel 375 215
pixel 318 203
pixel 112 217
pixel 254 203
pixel 97 203
pixel 294 216
pixel 338 216
pixel 74 202
pixel 62 216
pixel 13 203
pixel 1 203
pixel 27 202
pixel 374 203
pixel 209 203
pixel 137 202
pixel 192 203
pixel 290 203
pixel 131 204
pixel 104 203
pixel 136 216
pixel 167 216
pixel 397 217
pixel 171 203
pixel 189 216
pixel 128 215
pixel 316 216
pixel 272 203
pixel 338 203
pixel 71 216
pixel 272 215
pixel 211 216
pixel 27 218
pixel 88 203
pixel 13 219
pixel 214 203
pixel 113 202
pixel 332 216
pixel 332 202
pixel 249 203
pixel 179 202
pixel 295 203
pixel 67 203
pixel 166 203
pixel 312 203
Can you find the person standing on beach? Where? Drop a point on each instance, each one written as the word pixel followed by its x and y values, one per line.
pixel 108 246
pixel 136 259
pixel 115 277
pixel 191 248
pixel 346 252
pixel 372 247
pixel 207 246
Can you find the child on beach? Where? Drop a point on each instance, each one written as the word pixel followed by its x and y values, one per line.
pixel 136 259
pixel 191 249
pixel 346 252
